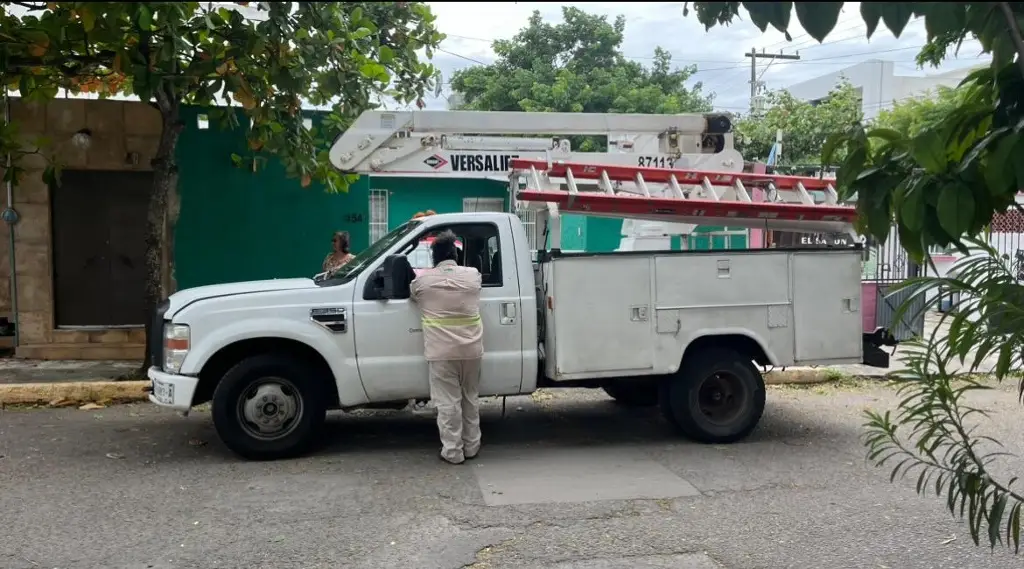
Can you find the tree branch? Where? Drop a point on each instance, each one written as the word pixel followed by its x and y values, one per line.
pixel 1011 20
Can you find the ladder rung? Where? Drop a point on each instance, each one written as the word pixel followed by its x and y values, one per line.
pixel 664 175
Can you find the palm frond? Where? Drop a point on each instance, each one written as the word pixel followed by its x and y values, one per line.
pixel 933 432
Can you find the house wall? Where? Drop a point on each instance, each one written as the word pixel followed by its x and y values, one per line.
pixel 117 128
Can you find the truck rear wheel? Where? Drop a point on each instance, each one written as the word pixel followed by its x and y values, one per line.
pixel 717 396
pixel 633 393
pixel 268 407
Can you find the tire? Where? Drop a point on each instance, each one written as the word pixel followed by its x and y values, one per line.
pixel 284 382
pixel 702 388
pixel 633 393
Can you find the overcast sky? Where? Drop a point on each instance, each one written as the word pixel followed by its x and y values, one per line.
pixel 718 54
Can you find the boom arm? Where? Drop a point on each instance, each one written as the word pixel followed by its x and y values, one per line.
pixel 455 143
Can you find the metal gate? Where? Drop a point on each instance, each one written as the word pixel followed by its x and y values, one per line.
pixel 885 266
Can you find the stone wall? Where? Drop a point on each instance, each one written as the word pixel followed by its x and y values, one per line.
pixel 117 128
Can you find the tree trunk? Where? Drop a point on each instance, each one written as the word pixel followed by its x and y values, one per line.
pixel 165 182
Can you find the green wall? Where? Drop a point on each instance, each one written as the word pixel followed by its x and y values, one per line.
pixel 408 196
pixel 238 225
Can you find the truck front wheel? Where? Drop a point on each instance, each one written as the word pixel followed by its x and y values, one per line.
pixel 268 407
pixel 717 396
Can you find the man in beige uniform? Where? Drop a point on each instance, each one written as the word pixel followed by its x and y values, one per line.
pixel 449 298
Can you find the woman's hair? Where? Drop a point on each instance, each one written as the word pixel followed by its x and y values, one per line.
pixel 343 243
pixel 443 248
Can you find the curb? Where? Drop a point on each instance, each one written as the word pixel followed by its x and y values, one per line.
pixel 73 393
pixel 804 376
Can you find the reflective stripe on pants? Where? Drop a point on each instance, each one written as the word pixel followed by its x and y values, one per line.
pixel 454 388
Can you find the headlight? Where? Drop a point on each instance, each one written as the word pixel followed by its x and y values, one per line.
pixel 176 345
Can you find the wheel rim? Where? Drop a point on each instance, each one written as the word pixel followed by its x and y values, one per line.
pixel 721 398
pixel 270 408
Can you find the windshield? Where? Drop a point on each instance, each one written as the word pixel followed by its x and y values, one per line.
pixel 349 270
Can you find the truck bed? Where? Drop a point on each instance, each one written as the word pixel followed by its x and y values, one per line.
pixel 635 313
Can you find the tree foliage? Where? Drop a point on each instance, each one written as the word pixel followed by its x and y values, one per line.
pixel 341 54
pixel 173 53
pixel 576 66
pixel 941 183
pixel 805 127
pixel 909 117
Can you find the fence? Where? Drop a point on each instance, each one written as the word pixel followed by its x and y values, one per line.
pixel 886 265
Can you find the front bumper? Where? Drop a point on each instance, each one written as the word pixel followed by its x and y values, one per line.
pixel 172 391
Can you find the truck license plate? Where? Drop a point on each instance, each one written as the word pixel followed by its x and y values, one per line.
pixel 163 392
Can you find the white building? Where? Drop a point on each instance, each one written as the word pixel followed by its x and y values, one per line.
pixel 878 84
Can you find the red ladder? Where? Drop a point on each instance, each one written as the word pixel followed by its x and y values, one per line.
pixel 688 196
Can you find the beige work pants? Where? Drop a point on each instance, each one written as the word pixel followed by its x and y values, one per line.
pixel 455 389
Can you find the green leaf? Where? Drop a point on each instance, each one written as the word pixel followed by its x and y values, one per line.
pixel 943 17
pixel 387 55
pixel 929 150
pixel 910 241
pixel 955 209
pixel 871 12
pixel 357 15
pixel 145 18
pixel 774 13
pixel 88 18
pixel 818 18
pixel 832 144
pixel 1017 159
pixel 998 170
pixel 912 209
pixel 372 70
pixel 361 33
pixel 896 15
pixel 885 134
pixel 851 167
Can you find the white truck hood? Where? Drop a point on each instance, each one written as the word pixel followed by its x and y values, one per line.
pixel 183 298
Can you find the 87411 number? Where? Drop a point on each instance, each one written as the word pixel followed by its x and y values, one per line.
pixel 655 162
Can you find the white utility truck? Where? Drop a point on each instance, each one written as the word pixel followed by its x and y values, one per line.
pixel 683 330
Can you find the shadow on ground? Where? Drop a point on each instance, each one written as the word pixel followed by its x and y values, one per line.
pixel 564 424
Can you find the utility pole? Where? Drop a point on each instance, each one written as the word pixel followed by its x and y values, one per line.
pixel 753 55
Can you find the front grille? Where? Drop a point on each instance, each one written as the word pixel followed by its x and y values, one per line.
pixel 155 338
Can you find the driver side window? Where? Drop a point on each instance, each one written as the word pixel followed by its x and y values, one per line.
pixel 478 246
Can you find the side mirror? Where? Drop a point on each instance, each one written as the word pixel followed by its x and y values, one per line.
pixel 374 289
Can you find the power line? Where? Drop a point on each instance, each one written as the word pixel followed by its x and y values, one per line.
pixel 460 56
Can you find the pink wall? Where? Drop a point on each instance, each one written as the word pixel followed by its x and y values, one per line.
pixel 868 304
pixel 757 235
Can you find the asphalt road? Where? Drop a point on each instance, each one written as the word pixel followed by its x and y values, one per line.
pixel 137 487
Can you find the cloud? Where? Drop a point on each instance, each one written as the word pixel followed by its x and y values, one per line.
pixel 719 53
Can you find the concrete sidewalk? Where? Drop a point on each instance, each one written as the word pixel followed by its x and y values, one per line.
pixel 16 371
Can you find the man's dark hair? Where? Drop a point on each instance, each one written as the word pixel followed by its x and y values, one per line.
pixel 443 248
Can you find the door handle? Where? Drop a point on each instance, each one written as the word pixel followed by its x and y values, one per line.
pixel 508 313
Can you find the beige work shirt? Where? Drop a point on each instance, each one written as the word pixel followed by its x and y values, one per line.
pixel 449 298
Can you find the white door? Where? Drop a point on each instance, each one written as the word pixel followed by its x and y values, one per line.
pixel 389 337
